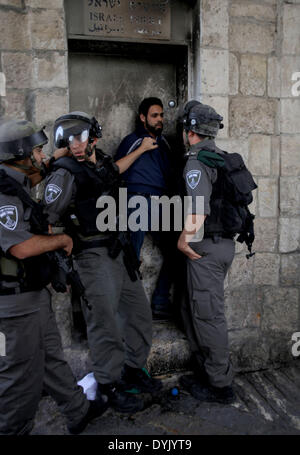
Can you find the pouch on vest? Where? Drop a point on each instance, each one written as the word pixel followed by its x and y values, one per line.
pixel 11 269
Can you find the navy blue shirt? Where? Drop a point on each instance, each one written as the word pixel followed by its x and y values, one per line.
pixel 151 171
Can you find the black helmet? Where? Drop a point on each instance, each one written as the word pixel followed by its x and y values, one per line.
pixel 188 106
pixel 73 124
pixel 18 138
pixel 202 119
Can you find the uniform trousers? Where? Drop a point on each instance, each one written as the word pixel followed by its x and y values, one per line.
pixel 203 314
pixel 119 323
pixel 34 361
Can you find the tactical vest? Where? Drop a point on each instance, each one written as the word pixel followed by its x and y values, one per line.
pixel 92 181
pixel 32 273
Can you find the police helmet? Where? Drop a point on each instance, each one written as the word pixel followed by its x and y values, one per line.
pixel 18 138
pixel 74 124
pixel 188 106
pixel 201 119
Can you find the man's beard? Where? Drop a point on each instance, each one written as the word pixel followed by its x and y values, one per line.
pixel 157 130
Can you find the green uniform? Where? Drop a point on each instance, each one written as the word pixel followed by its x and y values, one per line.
pixel 203 315
pixel 33 360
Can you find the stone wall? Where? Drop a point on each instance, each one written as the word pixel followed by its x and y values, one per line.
pixel 243 55
pixel 248 53
pixel 33 58
pixel 34 66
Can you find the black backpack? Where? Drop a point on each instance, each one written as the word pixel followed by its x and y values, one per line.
pixel 231 196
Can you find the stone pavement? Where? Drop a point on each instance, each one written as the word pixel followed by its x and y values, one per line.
pixel 268 403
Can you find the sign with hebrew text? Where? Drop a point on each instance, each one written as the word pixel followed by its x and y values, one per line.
pixel 137 19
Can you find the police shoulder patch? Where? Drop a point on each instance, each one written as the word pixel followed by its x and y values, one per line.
pixel 52 193
pixel 9 217
pixel 193 178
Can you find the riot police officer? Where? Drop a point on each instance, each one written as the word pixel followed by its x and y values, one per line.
pixel 33 359
pixel 118 348
pixel 208 261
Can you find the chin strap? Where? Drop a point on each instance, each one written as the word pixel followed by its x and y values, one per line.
pixel 89 151
pixel 30 170
pixel 22 166
pixel 187 144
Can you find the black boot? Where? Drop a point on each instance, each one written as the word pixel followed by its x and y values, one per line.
pixel 140 379
pixel 119 399
pixel 96 409
pixel 198 377
pixel 224 395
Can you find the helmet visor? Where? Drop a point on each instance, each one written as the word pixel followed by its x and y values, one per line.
pixel 66 131
pixel 82 137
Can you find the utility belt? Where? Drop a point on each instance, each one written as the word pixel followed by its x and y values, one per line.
pixel 144 194
pixel 17 290
pixel 97 243
pixel 216 236
pixel 111 243
pixel 115 244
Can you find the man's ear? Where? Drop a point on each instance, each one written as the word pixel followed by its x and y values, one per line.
pixel 94 142
pixel 143 118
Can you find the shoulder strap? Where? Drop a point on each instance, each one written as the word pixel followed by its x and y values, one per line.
pixel 211 159
pixel 11 187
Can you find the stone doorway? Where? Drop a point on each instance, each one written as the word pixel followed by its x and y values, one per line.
pixel 109 80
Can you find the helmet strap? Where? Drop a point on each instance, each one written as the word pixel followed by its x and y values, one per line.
pixel 35 163
pixel 22 166
pixel 187 144
pixel 89 150
pixel 29 169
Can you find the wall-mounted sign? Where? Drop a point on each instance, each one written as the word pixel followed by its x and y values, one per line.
pixel 138 19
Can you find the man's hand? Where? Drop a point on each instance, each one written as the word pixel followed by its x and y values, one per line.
pixel 68 246
pixel 192 225
pixel 68 240
pixel 59 153
pixel 148 144
pixel 184 247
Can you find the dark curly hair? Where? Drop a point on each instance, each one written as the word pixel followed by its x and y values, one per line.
pixel 147 103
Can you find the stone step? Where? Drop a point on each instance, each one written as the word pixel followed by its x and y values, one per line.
pixel 271 395
pixel 169 353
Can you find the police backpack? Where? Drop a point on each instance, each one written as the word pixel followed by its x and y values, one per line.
pixel 231 196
